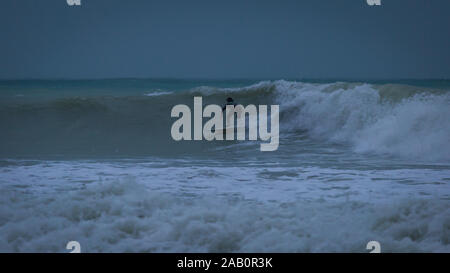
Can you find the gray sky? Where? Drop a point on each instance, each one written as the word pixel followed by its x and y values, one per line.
pixel 225 39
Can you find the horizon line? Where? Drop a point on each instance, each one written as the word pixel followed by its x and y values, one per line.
pixel 221 78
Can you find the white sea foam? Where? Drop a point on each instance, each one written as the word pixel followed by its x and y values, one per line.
pixel 115 207
pixel 416 126
pixel 158 93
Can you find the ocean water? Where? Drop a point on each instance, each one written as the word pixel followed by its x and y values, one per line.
pixel 93 161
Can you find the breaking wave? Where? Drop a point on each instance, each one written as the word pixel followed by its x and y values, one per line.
pixel 392 119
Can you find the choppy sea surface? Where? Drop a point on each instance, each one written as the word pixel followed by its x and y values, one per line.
pixel 94 161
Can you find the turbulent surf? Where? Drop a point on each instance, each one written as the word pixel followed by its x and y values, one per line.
pixel 94 161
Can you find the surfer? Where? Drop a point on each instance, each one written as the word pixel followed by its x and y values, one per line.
pixel 230 115
pixel 230 101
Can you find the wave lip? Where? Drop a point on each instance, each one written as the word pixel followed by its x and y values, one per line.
pixel 158 93
pixel 412 124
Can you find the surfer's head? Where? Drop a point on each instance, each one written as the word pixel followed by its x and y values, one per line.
pixel 229 99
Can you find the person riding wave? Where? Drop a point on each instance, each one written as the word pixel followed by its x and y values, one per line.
pixel 230 101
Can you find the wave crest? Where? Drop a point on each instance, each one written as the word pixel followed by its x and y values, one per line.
pixel 393 119
pixel 409 123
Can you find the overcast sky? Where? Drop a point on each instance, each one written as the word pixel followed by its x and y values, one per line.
pixel 225 39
